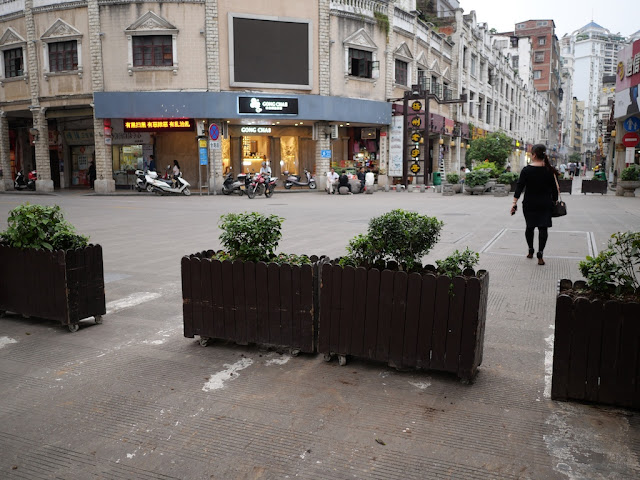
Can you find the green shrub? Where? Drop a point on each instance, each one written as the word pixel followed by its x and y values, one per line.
pixel 41 226
pixel 400 236
pixel 508 178
pixel 492 169
pixel 616 270
pixel 250 236
pixel 631 173
pixel 457 262
pixel 476 178
pixel 452 178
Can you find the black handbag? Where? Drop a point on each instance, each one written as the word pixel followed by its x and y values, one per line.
pixel 559 208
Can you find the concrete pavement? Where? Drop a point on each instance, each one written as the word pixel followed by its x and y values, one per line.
pixel 133 398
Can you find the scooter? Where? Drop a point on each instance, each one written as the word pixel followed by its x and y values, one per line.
pixel 292 180
pixel 238 186
pixel 165 187
pixel 261 184
pixel 141 181
pixel 29 184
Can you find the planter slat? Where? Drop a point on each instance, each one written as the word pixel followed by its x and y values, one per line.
pixel 628 360
pixel 273 279
pixel 439 342
pixel 251 299
pixel 414 285
pixel 326 290
pixel 239 300
pixel 471 330
pixel 454 326
pixel 372 312
pixel 229 305
pixel 384 317
pixel 72 281
pixel 58 279
pixel 185 269
pixel 578 349
pixel 307 318
pixel 593 327
pixel 286 306
pixel 336 298
pixel 357 331
pixel 348 295
pixel 196 295
pixel 427 314
pixel 206 294
pixel 397 324
pixel 296 313
pixel 611 339
pixel 561 348
pixel 215 324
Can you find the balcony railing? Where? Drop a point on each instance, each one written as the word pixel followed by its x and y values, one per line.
pixel 359 6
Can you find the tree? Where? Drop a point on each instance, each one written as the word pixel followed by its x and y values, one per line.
pixel 575 157
pixel 496 147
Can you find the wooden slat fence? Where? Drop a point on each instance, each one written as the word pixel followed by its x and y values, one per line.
pixel 595 352
pixel 249 302
pixel 406 320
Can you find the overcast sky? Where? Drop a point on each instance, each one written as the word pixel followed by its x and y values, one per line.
pixel 621 16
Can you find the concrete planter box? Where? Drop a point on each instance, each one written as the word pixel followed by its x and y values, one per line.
pixel 595 350
pixel 594 186
pixel 65 286
pixel 247 302
pixel 629 187
pixel 405 320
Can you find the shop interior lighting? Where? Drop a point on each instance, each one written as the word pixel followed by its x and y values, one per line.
pixel 246 162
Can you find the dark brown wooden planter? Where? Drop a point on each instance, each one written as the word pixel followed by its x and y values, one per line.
pixel 406 320
pixel 66 286
pixel 565 185
pixel 595 352
pixel 594 186
pixel 247 302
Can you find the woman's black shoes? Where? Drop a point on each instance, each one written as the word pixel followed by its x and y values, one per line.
pixel 531 250
pixel 540 259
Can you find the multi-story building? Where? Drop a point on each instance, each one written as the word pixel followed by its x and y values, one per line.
pixel 302 85
pixel 594 50
pixel 566 104
pixel 546 71
pixel 574 137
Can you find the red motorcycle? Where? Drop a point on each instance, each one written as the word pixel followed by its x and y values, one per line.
pixel 261 184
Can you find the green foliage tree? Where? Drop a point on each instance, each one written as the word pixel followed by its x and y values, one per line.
pixel 41 226
pixel 250 236
pixel 496 147
pixel 575 157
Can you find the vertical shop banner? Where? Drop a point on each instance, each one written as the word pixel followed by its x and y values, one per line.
pixel 628 80
pixel 396 146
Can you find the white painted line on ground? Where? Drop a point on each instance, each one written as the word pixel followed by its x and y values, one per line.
pixel 216 381
pixel 493 240
pixel 521 255
pixel 548 362
pixel 131 301
pixel 4 341
pixel 281 360
pixel 593 246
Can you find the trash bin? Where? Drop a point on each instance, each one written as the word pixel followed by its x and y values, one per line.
pixel 600 176
pixel 437 180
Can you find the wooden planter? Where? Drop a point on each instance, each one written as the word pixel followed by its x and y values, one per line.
pixel 566 185
pixel 595 350
pixel 66 286
pixel 248 302
pixel 594 186
pixel 406 320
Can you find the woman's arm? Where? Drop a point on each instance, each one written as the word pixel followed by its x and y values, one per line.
pixel 520 186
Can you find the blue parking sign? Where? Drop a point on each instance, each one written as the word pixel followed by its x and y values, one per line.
pixel 325 153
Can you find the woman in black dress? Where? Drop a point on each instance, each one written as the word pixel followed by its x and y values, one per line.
pixel 538 181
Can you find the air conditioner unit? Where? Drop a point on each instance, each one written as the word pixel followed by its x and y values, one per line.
pixel 334 132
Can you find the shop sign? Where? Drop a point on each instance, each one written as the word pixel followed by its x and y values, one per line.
pixel 268 105
pixel 131 138
pixel 254 130
pixel 79 137
pixel 325 153
pixel 159 125
pixel 632 124
pixel 415 168
pixel 395 147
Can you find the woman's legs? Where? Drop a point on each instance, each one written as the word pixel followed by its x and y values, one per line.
pixel 528 234
pixel 543 234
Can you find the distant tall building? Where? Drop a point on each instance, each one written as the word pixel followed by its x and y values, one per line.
pixel 566 110
pixel 546 71
pixel 594 51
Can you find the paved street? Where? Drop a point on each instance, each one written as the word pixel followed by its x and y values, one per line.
pixel 132 398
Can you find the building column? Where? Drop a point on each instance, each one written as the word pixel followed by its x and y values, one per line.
pixel 44 183
pixel 6 182
pixel 104 160
pixel 322 164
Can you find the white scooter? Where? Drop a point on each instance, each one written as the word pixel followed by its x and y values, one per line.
pixel 166 186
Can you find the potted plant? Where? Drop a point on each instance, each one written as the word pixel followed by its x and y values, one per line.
pixel 509 178
pixel 476 181
pixel 454 180
pixel 379 302
pixel 247 293
pixel 630 180
pixel 597 328
pixel 49 271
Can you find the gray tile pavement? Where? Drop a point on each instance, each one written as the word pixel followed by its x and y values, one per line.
pixel 133 398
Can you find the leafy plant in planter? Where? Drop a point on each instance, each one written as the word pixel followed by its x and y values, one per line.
pixel 456 263
pixel 399 236
pixel 452 178
pixel 490 167
pixel 508 178
pixel 476 178
pixel 631 173
pixel 41 226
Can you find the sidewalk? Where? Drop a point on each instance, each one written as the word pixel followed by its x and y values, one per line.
pixel 132 398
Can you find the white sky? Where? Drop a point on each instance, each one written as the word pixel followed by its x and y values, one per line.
pixel 621 16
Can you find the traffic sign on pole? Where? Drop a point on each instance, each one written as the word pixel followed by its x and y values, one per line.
pixel 214 132
pixel 631 139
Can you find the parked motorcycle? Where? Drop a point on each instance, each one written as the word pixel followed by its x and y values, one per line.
pixel 238 186
pixel 261 184
pixel 29 184
pixel 163 186
pixel 292 180
pixel 141 181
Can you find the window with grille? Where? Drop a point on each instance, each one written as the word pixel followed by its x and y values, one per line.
pixel 13 63
pixel 542 40
pixel 423 81
pixel 63 56
pixel 537 74
pixel 472 69
pixel 361 63
pixel 152 51
pixel 539 57
pixel 401 72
